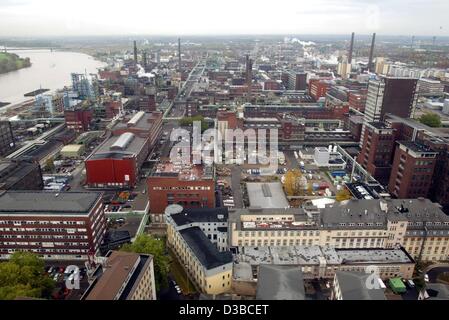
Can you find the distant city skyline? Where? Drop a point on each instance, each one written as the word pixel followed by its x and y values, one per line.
pixel 32 18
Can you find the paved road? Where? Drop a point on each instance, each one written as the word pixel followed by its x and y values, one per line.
pixel 235 185
pixel 78 178
pixel 292 163
pixel 435 272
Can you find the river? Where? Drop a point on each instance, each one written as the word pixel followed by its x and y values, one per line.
pixel 49 70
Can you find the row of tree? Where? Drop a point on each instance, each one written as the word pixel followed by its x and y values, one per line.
pixel 24 276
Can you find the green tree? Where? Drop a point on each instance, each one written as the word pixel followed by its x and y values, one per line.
pixel 50 165
pixel 188 121
pixel 147 244
pixel 431 119
pixel 23 276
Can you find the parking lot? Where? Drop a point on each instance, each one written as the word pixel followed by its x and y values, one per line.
pixel 59 272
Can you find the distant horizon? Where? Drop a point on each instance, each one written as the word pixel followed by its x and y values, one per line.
pixel 282 35
pixel 48 18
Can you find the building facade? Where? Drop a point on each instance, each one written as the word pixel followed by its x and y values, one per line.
pixel 55 226
pixel 418 225
pixel 191 187
pixel 123 276
pixel 7 142
pixel 197 239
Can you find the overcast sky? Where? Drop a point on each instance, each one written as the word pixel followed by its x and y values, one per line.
pixel 192 17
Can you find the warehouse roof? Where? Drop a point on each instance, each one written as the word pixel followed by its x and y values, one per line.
pixel 47 202
pixel 109 148
pixel 280 283
pixel 353 286
pixel 266 195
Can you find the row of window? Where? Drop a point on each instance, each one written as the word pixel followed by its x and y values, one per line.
pixel 20 222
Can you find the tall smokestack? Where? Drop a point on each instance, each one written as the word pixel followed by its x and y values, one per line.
pixel 371 53
pixel 179 53
pixel 135 51
pixel 351 48
pixel 249 76
pixel 145 59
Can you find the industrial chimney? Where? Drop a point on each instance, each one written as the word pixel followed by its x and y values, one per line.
pixel 135 51
pixel 351 48
pixel 179 54
pixel 371 53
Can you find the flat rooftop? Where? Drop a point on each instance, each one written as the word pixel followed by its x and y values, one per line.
pixel 379 125
pixel 183 172
pixel 316 255
pixel 416 147
pixel 266 195
pixel 47 202
pixel 205 251
pixel 123 268
pixel 139 120
pixel 12 171
pixel 192 215
pixel 108 148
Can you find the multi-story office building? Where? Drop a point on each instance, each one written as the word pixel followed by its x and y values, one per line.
pixel 397 96
pixel 189 186
pixel 412 170
pixel 198 238
pixel 56 226
pixel 297 81
pixel 7 142
pixel 123 276
pixel 318 88
pixel 377 150
pixel 430 88
pixel 418 225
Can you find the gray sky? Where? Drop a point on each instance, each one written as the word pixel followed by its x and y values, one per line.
pixel 179 17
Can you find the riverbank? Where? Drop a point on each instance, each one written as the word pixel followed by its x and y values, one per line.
pixel 50 69
pixel 12 62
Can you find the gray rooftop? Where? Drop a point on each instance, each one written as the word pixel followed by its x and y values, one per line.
pixel 377 211
pixel 47 202
pixel 353 287
pixel 280 283
pixel 316 255
pixel 206 252
pixel 109 148
pixel 266 195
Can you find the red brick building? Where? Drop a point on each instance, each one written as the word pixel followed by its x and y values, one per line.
pixel 412 170
pixel 112 108
pixel 377 152
pixel 318 88
pixel 357 100
pixel 56 226
pixel 78 119
pixel 190 187
pixel 117 161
